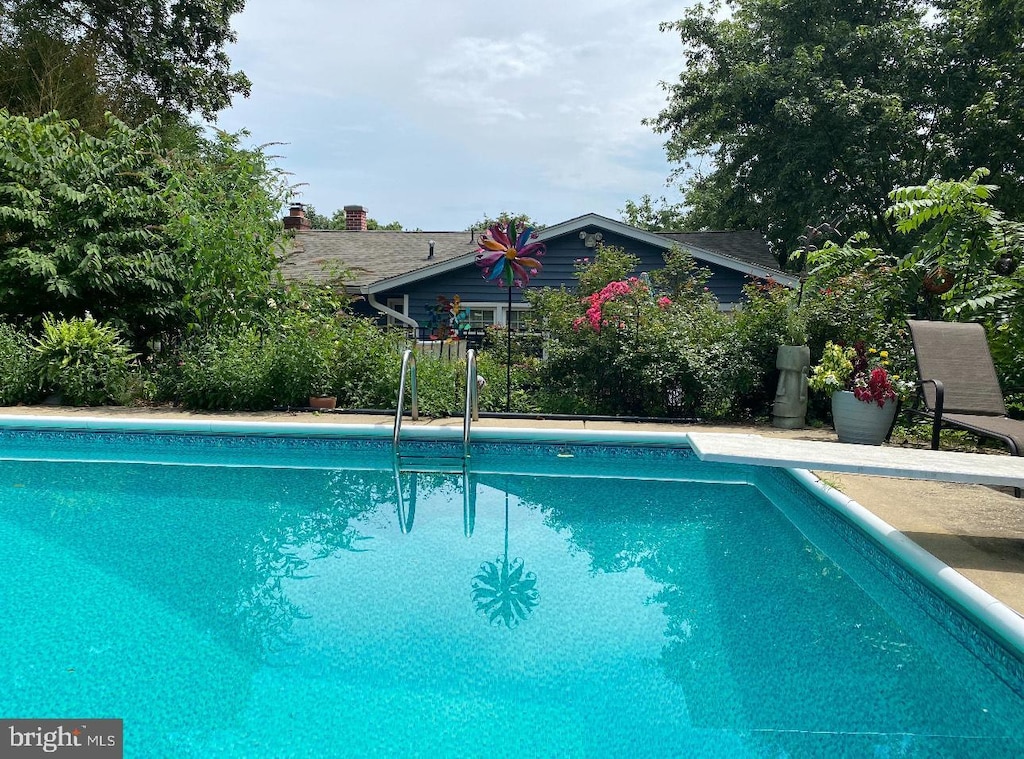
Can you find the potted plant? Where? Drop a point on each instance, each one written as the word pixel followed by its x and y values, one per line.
pixel 865 396
pixel 321 385
pixel 323 401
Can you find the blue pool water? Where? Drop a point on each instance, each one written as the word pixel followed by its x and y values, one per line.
pixel 246 597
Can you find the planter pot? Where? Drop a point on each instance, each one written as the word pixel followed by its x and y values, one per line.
pixel 859 422
pixel 322 402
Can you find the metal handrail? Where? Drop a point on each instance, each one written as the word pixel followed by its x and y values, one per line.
pixel 408 364
pixel 468 501
pixel 472 400
pixel 407 515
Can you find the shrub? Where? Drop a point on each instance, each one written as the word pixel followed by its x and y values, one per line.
pixel 441 386
pixel 625 350
pixel 767 320
pixel 368 364
pixel 86 362
pixel 225 370
pixel 304 351
pixel 1006 342
pixel 17 375
pixel 492 366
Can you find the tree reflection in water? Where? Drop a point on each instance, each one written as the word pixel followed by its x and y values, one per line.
pixel 503 590
pixel 322 521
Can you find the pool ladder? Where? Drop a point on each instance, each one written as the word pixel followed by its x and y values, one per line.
pixel 415 465
pixel 472 411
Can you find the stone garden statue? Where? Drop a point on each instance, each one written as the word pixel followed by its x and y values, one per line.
pixel 790 407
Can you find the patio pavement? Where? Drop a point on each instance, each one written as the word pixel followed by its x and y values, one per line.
pixel 977 529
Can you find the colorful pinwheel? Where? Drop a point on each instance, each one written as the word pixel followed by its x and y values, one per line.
pixel 509 258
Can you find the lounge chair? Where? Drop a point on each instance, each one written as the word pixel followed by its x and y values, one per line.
pixel 959 385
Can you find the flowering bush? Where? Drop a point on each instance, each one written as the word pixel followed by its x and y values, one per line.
pixel 595 303
pixel 859 369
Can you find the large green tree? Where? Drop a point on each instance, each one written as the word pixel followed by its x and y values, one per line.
pixel 225 226
pixel 979 82
pixel 654 215
pixel 136 58
pixel 803 110
pixel 117 226
pixel 81 224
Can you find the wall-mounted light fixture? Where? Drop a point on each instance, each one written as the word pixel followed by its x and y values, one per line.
pixel 591 239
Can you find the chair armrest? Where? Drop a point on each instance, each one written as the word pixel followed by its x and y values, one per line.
pixel 940 398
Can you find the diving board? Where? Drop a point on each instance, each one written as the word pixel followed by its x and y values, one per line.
pixel 888 461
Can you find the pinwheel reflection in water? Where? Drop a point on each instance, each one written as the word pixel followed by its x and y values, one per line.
pixel 503 590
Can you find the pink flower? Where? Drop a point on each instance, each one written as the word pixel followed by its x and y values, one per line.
pixel 664 301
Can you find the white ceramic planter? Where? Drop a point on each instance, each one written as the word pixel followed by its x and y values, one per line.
pixel 859 422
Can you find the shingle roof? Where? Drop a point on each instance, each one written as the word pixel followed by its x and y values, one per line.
pixel 369 256
pixel 372 257
pixel 747 246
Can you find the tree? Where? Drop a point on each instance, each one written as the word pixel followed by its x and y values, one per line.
pixel 393 226
pixel 967 253
pixel 81 224
pixel 224 202
pixel 806 110
pixel 318 220
pixel 980 113
pixel 667 217
pixel 337 221
pixel 142 57
pixel 503 218
pixel 41 72
pixel 117 227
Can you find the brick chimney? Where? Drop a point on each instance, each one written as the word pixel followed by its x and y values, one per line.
pixel 296 218
pixel 355 219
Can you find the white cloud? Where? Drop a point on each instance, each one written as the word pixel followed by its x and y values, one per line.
pixel 433 114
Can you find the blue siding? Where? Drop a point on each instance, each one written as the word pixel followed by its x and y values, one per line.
pixel 559 269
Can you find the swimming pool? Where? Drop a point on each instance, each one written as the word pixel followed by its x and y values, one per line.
pixel 285 595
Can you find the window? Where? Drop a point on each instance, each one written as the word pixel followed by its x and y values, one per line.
pixel 481 318
pixel 518 320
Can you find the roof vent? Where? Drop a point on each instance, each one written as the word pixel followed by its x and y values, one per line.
pixel 430 251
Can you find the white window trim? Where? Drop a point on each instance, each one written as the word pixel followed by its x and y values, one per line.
pixel 500 309
pixel 393 303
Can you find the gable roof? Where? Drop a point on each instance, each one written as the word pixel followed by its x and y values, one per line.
pixel 372 257
pixel 747 245
pixel 379 260
pixel 745 251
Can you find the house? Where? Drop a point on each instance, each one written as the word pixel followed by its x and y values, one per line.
pixel 398 276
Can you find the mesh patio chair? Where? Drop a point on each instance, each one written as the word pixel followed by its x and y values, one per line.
pixel 959 385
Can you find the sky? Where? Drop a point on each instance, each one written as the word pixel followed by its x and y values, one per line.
pixel 437 114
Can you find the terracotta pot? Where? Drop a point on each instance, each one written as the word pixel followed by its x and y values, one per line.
pixel 323 402
pixel 859 422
